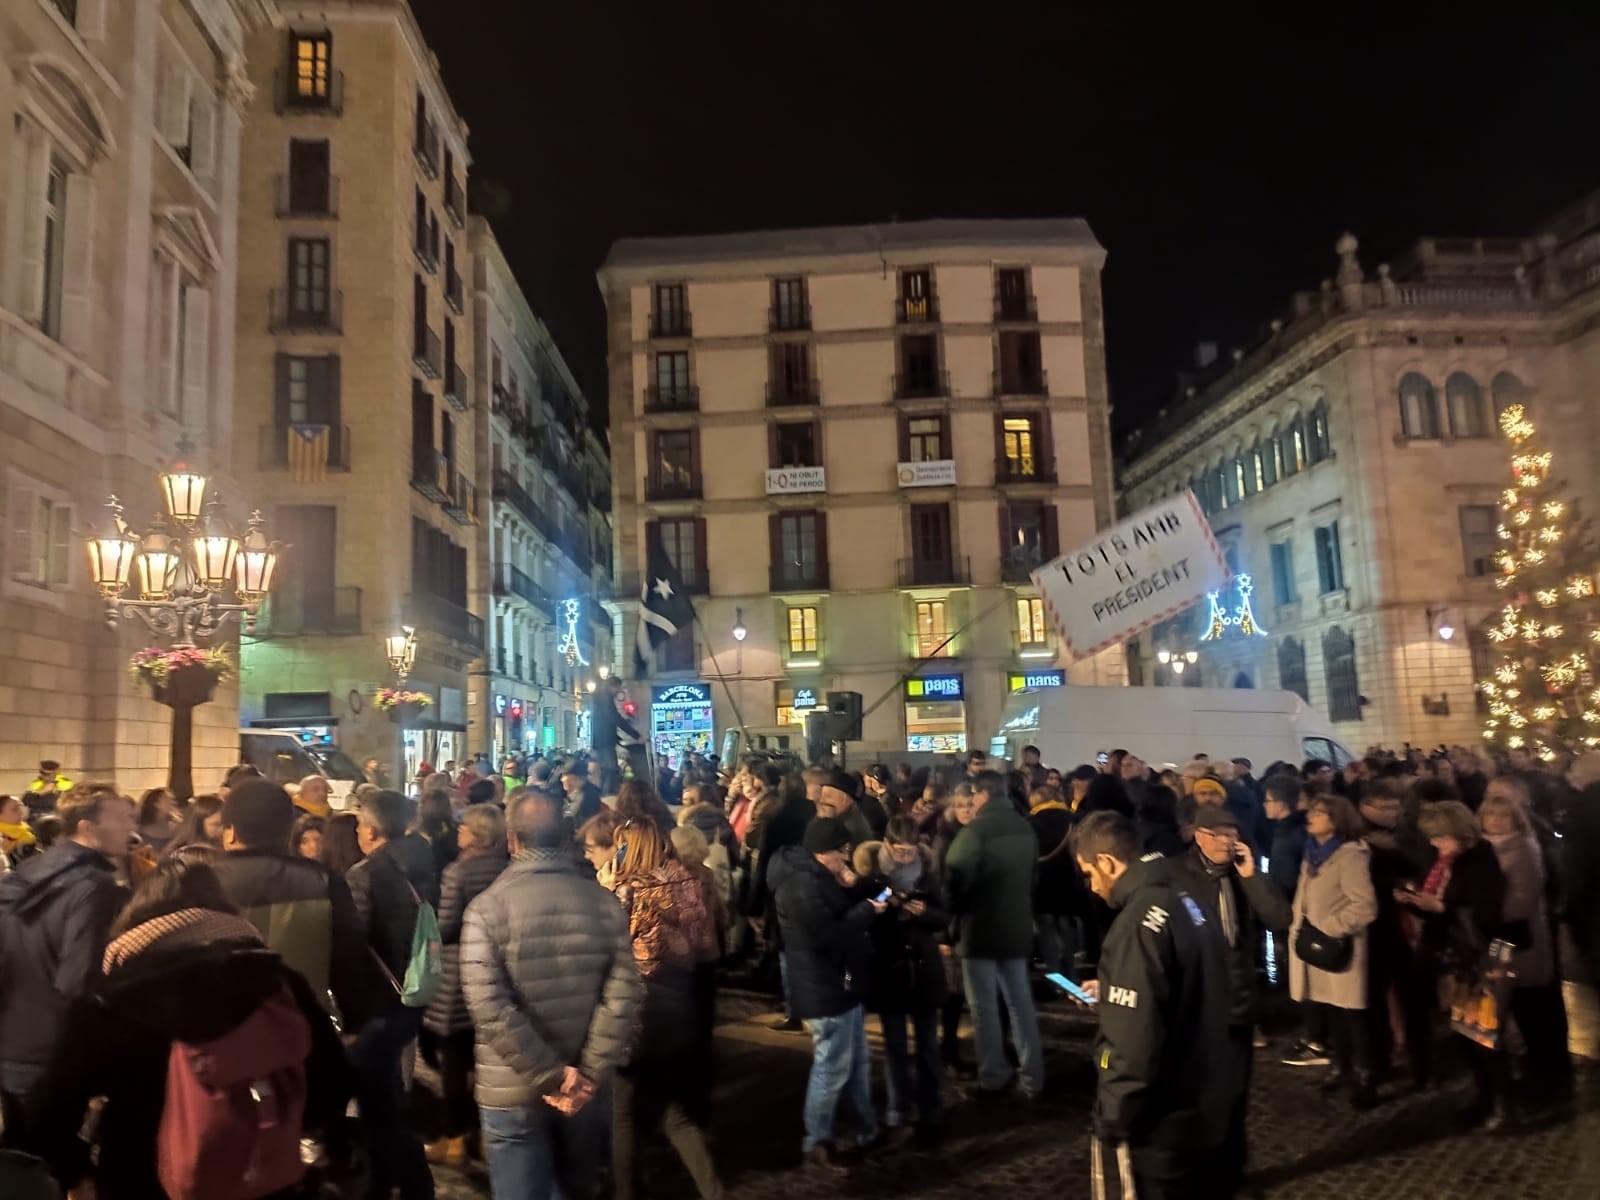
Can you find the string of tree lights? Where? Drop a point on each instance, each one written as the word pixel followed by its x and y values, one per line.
pixel 1543 694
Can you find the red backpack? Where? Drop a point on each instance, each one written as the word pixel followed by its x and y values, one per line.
pixel 230 1127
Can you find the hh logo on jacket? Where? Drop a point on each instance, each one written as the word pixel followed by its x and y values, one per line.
pixel 1156 919
pixel 1126 997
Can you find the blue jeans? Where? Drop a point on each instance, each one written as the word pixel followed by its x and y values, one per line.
pixel 840 1065
pixel 986 980
pixel 535 1153
pixel 897 1066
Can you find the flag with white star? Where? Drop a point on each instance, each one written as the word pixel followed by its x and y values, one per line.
pixel 664 605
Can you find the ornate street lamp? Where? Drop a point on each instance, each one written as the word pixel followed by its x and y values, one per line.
pixel 402 651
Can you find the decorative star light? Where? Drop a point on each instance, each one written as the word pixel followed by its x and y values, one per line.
pixel 568 649
pixel 1242 618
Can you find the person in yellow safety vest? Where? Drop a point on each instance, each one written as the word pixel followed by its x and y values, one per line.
pixel 49 784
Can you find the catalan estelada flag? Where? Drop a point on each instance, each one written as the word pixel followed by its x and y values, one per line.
pixel 308 452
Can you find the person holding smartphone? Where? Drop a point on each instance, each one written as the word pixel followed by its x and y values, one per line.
pixel 1219 871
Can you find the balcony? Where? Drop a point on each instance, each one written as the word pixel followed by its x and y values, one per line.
pixel 426 351
pixel 294 310
pixel 454 295
pixel 517 664
pixel 272 447
pixel 789 318
pixel 296 611
pixel 513 581
pixel 446 618
pixel 782 393
pixel 508 489
pixel 1015 309
pixel 455 201
pixel 1013 470
pixel 457 392
pixel 430 473
pixel 934 572
pixel 798 577
pixel 576 545
pixel 1018 563
pixel 671 398
pixel 677 488
pixel 425 146
pixel 422 248
pixel 291 94
pixel 461 504
pixel 307 196
pixel 922 385
pixel 1021 383
pixel 916 310
pixel 670 325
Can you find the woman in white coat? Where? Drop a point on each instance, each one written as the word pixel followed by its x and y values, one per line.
pixel 1333 906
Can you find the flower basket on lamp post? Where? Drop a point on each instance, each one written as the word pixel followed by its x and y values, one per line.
pixel 403 707
pixel 181 678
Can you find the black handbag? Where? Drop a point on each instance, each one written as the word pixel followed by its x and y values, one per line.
pixel 1322 950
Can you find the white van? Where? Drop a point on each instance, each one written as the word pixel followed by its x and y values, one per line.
pixel 1071 725
pixel 280 757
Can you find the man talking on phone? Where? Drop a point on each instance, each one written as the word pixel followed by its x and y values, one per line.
pixel 1219 870
pixel 1167 1080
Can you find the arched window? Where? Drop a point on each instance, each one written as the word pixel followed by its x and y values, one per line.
pixel 1317 446
pixel 1272 457
pixel 1339 670
pixel 1257 475
pixel 1241 477
pixel 1463 398
pixel 1292 668
pixel 1297 443
pixel 1506 390
pixel 1419 407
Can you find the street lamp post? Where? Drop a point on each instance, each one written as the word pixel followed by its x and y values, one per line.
pixel 182 567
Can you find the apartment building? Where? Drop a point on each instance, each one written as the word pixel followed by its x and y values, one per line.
pixel 356 405
pixel 544 538
pixel 854 444
pixel 121 135
pixel 1351 465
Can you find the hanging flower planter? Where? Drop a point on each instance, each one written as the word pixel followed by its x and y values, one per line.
pixel 182 677
pixel 403 707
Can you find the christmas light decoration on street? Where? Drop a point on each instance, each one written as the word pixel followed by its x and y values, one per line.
pixel 1242 618
pixel 569 649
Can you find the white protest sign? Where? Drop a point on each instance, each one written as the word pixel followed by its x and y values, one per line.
pixel 1142 570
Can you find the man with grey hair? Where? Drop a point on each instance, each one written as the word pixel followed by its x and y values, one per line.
pixel 548 972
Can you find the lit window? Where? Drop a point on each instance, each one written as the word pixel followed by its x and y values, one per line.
pixel 1019 448
pixel 1031 630
pixel 802 630
pixel 925 439
pixel 932 629
pixel 311 55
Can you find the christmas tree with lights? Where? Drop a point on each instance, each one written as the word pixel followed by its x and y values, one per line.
pixel 1544 694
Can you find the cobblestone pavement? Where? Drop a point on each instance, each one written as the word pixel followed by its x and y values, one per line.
pixel 1302 1143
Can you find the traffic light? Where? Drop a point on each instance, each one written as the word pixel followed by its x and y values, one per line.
pixel 845 709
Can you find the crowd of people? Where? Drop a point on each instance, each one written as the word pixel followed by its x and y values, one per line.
pixel 551 940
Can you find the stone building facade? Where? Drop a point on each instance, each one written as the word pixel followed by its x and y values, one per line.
pixel 854 444
pixel 545 540
pixel 1351 464
pixel 118 209
pixel 357 410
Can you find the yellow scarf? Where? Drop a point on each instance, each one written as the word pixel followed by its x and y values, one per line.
pixel 17 834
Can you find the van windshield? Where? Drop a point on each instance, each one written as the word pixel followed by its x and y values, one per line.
pixel 336 764
pixel 278 758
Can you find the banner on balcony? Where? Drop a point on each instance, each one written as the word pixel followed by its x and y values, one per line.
pixel 308 452
pixel 785 480
pixel 1141 571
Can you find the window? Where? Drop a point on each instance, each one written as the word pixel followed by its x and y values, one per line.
pixel 1330 559
pixel 1506 390
pixel 1419 409
pixel 787 713
pixel 1479 538
pixel 672 378
pixel 1028 537
pixel 789 379
pixel 925 439
pixel 1257 476
pixel 789 309
pixel 932 629
pixel 1484 657
pixel 1021 366
pixel 55 248
pixel 312 54
pixel 1021 447
pixel 1283 573
pixel 1339 666
pixel 1219 486
pixel 309 178
pixel 1292 668
pixel 1272 464
pixel 802 630
pixel 309 293
pixel 1297 443
pixel 1240 480
pixel 672 462
pixel 1317 445
pixel 1031 627
pixel 1012 302
pixel 670 316
pixel 1464 400
pixel 919 366
pixel 683 542
pixel 916 296
pixel 930 534
pixel 41 541
pixel 795 445
pixel 799 549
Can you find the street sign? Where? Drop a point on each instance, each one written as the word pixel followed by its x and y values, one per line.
pixel 1139 572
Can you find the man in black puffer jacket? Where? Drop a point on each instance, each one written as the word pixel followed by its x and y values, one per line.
pixel 1167 1080
pixel 825 933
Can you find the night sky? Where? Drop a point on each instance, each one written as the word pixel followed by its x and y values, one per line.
pixel 1217 159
